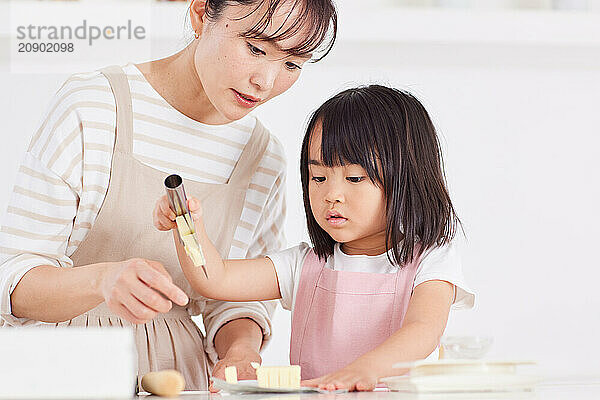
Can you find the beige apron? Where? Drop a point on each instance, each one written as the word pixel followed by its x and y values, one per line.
pixel 123 230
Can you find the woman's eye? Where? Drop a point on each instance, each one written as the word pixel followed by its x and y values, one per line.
pixel 255 50
pixel 355 179
pixel 291 66
pixel 318 179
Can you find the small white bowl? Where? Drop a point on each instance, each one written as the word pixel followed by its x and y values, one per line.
pixel 461 347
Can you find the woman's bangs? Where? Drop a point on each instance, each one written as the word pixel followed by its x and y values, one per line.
pixel 315 21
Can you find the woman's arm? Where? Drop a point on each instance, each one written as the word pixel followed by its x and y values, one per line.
pixel 136 290
pixel 231 280
pixel 419 335
pixel 35 296
pixel 238 343
pixel 238 335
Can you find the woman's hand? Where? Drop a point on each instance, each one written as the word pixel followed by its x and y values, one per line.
pixel 138 289
pixel 164 217
pixel 241 359
pixel 359 376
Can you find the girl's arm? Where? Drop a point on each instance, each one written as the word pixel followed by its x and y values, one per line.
pixel 419 335
pixel 230 280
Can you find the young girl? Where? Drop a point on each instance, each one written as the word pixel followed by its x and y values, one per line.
pixel 377 285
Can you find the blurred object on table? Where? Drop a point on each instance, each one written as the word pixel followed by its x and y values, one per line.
pixel 465 347
pixel 45 362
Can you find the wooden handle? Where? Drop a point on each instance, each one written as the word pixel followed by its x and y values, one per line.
pixel 166 383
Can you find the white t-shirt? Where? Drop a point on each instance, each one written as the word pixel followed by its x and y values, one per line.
pixel 441 263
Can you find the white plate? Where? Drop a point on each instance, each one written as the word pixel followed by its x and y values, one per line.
pixel 452 362
pixel 453 376
pixel 458 366
pixel 451 383
pixel 252 387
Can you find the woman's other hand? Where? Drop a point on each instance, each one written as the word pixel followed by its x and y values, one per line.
pixel 241 359
pixel 138 289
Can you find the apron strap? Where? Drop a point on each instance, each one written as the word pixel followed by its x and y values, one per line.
pixel 312 268
pixel 251 156
pixel 120 88
pixel 405 275
pixel 246 165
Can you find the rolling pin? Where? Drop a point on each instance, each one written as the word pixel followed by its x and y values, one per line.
pixel 166 383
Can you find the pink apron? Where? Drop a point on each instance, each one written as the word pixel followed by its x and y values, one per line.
pixel 341 315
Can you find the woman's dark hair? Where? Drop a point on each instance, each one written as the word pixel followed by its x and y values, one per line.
pixel 317 17
pixel 389 133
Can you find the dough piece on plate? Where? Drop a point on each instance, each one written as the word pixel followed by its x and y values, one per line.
pixel 231 374
pixel 287 377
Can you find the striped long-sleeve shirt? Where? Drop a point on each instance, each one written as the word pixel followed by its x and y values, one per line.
pixel 64 175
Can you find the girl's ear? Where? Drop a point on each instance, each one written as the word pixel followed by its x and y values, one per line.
pixel 198 15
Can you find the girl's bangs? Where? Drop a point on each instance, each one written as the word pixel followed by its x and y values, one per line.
pixel 316 21
pixel 343 143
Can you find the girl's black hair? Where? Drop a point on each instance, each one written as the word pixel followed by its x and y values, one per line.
pixel 389 133
pixel 317 17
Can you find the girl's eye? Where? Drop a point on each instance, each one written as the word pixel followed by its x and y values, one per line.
pixel 355 179
pixel 291 66
pixel 318 179
pixel 255 50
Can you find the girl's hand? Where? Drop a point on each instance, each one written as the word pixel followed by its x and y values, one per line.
pixel 357 376
pixel 196 210
pixel 164 218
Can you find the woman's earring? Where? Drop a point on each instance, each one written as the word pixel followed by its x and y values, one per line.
pixel 196 35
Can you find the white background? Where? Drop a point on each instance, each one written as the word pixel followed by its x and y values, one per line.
pixel 516 99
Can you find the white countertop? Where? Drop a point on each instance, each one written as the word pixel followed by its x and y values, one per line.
pixel 545 391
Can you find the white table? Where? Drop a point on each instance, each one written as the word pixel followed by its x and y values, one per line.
pixel 545 391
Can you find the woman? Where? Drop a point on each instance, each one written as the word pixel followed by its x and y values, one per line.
pixel 87 184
